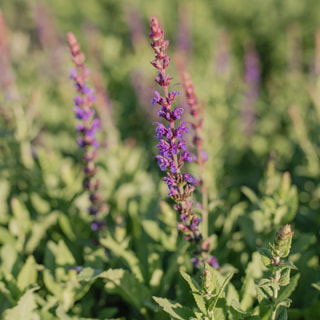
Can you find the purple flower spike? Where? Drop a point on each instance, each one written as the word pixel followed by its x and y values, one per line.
pixel 172 146
pixel 87 128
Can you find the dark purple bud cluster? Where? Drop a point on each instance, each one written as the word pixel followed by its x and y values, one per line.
pixel 87 129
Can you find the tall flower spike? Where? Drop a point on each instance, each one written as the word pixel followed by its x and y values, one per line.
pixel 201 157
pixel 172 148
pixel 87 129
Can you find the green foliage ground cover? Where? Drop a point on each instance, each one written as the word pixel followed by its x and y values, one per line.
pixel 52 265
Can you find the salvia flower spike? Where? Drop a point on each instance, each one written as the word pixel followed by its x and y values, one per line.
pixel 200 157
pixel 172 147
pixel 87 129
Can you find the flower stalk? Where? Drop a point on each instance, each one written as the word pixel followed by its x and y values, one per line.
pixel 172 149
pixel 87 129
pixel 200 157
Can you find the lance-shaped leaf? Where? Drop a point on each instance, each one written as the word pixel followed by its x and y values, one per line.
pixel 127 255
pixel 195 289
pixel 266 257
pixel 25 309
pixel 120 281
pixel 174 309
pixel 212 303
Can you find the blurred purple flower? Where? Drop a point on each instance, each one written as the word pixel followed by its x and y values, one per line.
pixel 87 128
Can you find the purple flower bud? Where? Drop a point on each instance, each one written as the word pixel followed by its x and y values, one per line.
pixel 169 134
pixel 81 142
pixel 204 156
pixel 80 127
pixel 196 262
pixel 82 114
pixel 169 181
pixel 173 191
pixel 187 177
pixel 174 148
pixel 85 89
pixel 156 98
pixel 73 73
pixel 173 167
pixel 182 145
pixel 177 112
pixel 78 101
pixel 164 113
pixel 186 156
pixel 195 222
pixel 160 130
pixel 213 262
pixel 164 148
pixel 182 128
pixel 163 163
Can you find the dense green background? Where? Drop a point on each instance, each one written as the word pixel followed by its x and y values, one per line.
pixel 36 115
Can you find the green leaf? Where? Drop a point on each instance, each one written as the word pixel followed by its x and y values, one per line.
pixel 235 304
pixel 153 230
pixel 52 285
pixel 173 265
pixel 63 256
pixel 195 289
pixel 264 288
pixel 39 230
pixel 265 256
pixel 220 312
pixel 61 314
pixel 174 309
pixel 40 205
pixel 22 216
pixel 248 291
pixel 120 281
pixel 281 314
pixel 282 302
pixel 125 254
pixel 286 292
pixel 88 274
pixel 235 212
pixel 211 281
pixel 285 277
pixel 7 293
pixel 250 194
pixel 316 285
pixel 125 284
pixel 6 236
pixel 65 224
pixel 9 258
pixel 25 308
pixel 28 274
pixel 231 294
pixel 213 303
pixel 287 265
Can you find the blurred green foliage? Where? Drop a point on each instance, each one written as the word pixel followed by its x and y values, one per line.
pixel 255 183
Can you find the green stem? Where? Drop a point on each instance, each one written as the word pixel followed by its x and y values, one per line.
pixel 277 278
